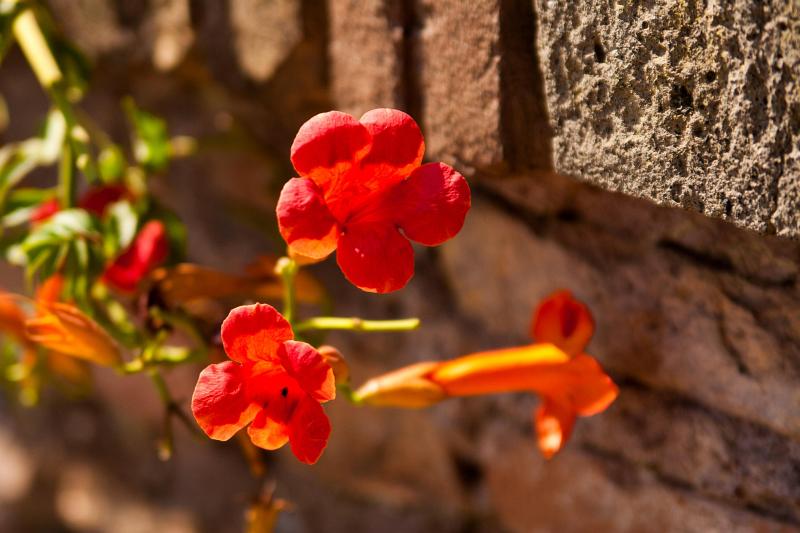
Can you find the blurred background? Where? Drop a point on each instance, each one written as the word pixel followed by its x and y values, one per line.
pixel 572 123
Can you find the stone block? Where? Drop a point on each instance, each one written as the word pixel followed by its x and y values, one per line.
pixel 366 55
pixel 695 104
pixel 578 491
pixel 457 51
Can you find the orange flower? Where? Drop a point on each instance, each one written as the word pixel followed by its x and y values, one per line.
pixel 65 329
pixel 12 318
pixel 570 383
pixel 73 370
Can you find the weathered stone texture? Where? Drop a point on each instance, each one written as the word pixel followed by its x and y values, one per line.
pixel 366 51
pixel 264 34
pixel 456 49
pixel 692 103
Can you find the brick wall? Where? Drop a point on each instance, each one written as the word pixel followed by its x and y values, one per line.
pixel 698 320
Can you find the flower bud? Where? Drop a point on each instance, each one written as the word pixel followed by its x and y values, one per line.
pixel 335 359
pixel 301 259
pixel 66 329
pixel 407 387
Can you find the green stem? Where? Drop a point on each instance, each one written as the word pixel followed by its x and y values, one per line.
pixel 66 178
pixel 357 324
pixel 34 45
pixel 287 269
pixel 161 387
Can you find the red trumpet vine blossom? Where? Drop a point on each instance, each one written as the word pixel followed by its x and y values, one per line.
pixel 363 192
pixel 570 383
pixel 148 250
pixel 272 383
pixel 66 330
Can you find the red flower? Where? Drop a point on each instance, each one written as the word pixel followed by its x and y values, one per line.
pixel 45 210
pixel 362 191
pixel 95 201
pixel 273 383
pixel 148 250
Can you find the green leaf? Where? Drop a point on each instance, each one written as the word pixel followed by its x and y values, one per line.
pixel 150 137
pixel 22 203
pixel 111 163
pixel 17 160
pixel 120 228
pixel 69 242
pixel 55 130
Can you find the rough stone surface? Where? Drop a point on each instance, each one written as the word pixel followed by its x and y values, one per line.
pixel 366 51
pixel 691 103
pixel 264 34
pixel 456 48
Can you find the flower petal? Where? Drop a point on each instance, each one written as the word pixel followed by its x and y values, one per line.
pixel 148 250
pixel 591 390
pixel 432 204
pixel 328 145
pixel 564 321
pixel 50 290
pixel 220 403
pixel 12 317
pixel 537 367
pixel 304 220
pixel 554 423
pixel 65 328
pixel 309 429
pixel 269 430
pixel 375 257
pixel 97 199
pixel 309 369
pixel 45 210
pixel 397 146
pixel 254 333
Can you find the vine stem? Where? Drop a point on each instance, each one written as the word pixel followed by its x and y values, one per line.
pixel 357 324
pixel 34 45
pixel 286 268
pixel 28 34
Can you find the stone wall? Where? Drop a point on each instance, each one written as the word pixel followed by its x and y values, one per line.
pixel 698 320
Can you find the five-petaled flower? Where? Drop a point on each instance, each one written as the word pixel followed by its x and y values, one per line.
pixel 570 383
pixel 272 383
pixel 363 192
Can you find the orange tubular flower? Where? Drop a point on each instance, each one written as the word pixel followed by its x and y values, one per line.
pixel 570 383
pixel 65 329
pixel 12 318
pixel 272 383
pixel 73 369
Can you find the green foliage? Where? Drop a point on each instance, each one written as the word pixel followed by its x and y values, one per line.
pixel 111 164
pixel 120 226
pixel 150 137
pixel 67 242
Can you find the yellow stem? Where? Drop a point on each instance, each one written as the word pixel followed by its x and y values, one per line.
pixel 31 39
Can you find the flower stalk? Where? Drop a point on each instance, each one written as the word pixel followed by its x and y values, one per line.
pixel 356 324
